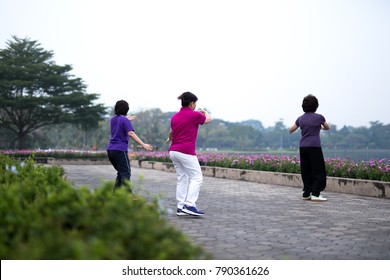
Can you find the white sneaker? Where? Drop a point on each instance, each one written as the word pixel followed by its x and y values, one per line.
pixel 318 198
pixel 180 212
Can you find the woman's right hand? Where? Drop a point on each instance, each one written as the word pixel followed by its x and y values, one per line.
pixel 147 147
pixel 169 139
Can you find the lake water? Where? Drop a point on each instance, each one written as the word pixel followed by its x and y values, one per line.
pixel 355 155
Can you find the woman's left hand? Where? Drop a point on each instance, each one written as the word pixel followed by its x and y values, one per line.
pixel 131 117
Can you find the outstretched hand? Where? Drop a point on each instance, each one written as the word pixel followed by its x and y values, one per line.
pixel 148 147
pixel 169 139
pixel 202 111
pixel 131 117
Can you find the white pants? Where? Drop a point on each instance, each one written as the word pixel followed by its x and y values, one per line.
pixel 189 178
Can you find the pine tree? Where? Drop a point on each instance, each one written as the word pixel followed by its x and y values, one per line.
pixel 36 92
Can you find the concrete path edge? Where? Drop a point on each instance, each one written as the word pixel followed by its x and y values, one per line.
pixel 334 184
pixel 368 188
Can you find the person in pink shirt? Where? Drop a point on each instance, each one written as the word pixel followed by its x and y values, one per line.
pixel 183 134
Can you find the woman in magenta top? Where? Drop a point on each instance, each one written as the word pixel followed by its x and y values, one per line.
pixel 183 134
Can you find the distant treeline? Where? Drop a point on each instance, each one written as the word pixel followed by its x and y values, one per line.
pixel 153 126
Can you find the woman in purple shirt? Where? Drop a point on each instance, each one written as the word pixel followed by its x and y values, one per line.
pixel 313 170
pixel 117 148
pixel 183 134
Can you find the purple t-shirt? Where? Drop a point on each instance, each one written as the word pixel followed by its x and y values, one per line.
pixel 310 124
pixel 120 126
pixel 184 125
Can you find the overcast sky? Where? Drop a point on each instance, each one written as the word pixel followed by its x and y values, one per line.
pixel 243 59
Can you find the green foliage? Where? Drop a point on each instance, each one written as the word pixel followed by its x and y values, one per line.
pixel 44 217
pixel 71 154
pixel 371 170
pixel 152 126
pixel 35 92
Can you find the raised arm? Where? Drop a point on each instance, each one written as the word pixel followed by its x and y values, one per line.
pixel 147 147
pixel 325 126
pixel 208 116
pixel 169 139
pixel 293 128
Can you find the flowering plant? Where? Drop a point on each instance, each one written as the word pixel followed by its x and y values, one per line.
pixel 375 169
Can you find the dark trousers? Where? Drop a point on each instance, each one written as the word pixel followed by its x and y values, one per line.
pixel 120 161
pixel 313 170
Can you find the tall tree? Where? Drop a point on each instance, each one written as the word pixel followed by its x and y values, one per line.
pixel 35 92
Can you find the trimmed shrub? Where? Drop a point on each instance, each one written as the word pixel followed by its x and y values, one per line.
pixel 42 216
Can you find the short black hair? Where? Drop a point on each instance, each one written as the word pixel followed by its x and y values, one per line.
pixel 310 104
pixel 186 98
pixel 121 108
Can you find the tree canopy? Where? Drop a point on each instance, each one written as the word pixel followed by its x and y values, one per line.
pixel 36 92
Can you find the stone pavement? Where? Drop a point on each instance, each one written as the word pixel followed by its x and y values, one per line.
pixel 251 221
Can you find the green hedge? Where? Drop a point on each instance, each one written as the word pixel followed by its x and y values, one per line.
pixel 42 216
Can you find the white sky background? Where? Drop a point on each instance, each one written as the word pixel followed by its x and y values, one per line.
pixel 243 59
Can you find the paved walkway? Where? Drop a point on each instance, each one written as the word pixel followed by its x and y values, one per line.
pixel 251 221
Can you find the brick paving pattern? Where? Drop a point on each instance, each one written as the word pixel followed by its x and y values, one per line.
pixel 251 221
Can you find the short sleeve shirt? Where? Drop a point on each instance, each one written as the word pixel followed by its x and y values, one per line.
pixel 120 126
pixel 310 124
pixel 184 125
